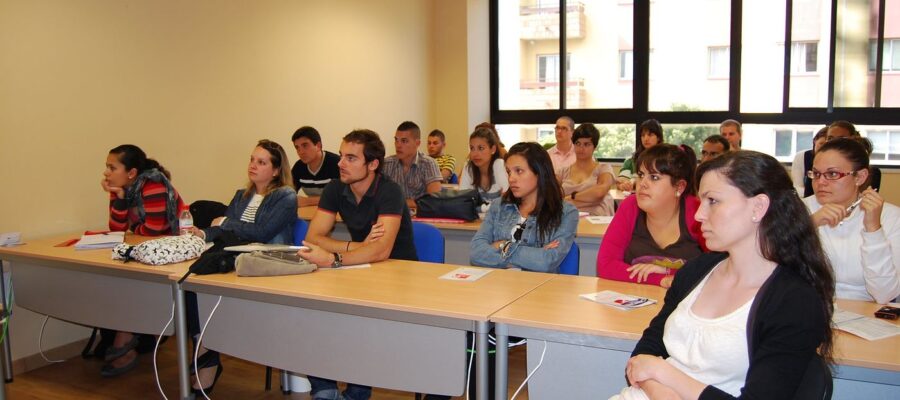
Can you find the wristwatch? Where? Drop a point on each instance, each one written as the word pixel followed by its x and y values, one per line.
pixel 338 261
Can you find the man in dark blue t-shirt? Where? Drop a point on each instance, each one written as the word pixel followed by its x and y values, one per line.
pixel 314 169
pixel 376 215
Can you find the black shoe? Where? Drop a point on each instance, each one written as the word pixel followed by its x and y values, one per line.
pixel 108 371
pixel 206 360
pixel 198 394
pixel 113 353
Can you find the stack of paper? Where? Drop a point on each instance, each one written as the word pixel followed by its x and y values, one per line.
pixel 618 300
pixel 862 326
pixel 106 240
pixel 466 274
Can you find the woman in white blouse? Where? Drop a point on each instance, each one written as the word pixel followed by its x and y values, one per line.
pixel 859 231
pixel 484 170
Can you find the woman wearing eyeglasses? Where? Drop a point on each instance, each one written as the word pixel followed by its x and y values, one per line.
pixel 654 231
pixel 859 231
pixel 530 227
pixel 265 212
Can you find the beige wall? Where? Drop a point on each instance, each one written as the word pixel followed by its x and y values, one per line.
pixel 196 84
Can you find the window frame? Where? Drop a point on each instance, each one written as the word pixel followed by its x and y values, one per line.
pixel 875 115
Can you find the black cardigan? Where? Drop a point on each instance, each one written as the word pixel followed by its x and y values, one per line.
pixel 785 327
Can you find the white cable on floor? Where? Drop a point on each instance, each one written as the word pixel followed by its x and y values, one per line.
pixel 543 352
pixel 40 344
pixel 199 342
pixel 156 349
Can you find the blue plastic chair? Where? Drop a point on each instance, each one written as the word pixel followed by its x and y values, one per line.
pixel 569 265
pixel 429 242
pixel 454 179
pixel 300 228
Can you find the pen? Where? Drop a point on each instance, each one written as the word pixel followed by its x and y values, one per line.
pixel 850 208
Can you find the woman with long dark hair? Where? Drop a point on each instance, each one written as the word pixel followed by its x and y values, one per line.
pixel 484 171
pixel 651 135
pixel 748 320
pixel 530 227
pixel 141 200
pixel 859 230
pixel 141 197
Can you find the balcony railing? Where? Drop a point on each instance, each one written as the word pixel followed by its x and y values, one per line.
pixel 541 22
pixel 540 95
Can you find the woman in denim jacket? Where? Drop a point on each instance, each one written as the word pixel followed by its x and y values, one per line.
pixel 265 211
pixel 530 227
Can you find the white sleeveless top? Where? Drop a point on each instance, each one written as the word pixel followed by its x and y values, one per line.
pixel 710 350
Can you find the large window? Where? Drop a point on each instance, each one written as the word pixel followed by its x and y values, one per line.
pixel 800 66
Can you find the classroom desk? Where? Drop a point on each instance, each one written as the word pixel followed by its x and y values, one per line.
pixel 394 325
pixel 87 287
pixel 588 344
pixel 457 239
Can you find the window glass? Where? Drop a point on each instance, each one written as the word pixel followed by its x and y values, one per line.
pixel 857 24
pixel 719 62
pixel 811 23
pixel 783 139
pixel 527 29
pixel 890 79
pixel 599 35
pixel 762 56
pixel 680 37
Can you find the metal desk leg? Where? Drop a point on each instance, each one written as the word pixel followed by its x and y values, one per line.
pixel 502 362
pixel 181 339
pixel 7 349
pixel 481 359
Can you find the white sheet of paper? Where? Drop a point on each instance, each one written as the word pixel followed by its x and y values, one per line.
pixel 466 274
pixel 863 326
pixel 618 300
pixel 599 219
pixel 100 241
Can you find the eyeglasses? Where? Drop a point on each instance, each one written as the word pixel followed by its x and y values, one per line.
pixel 828 175
pixel 517 234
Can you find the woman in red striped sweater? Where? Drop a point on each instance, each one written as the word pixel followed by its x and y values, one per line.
pixel 142 200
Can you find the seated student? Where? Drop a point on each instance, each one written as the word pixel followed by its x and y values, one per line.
pixel 651 135
pixel 264 212
pixel 748 320
pixel 530 227
pixel 714 146
pixel 493 129
pixel 377 217
pixel 586 183
pixel 562 153
pixel 416 173
pixel 803 162
pixel 484 171
pixel 733 132
pixel 860 232
pixel 654 232
pixel 314 169
pixel 142 200
pixel 446 162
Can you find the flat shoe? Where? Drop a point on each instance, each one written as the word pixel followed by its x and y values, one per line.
pixel 113 353
pixel 108 371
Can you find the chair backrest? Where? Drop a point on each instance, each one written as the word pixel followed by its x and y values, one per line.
pixel 300 227
pixel 454 179
pixel 816 383
pixel 429 242
pixel 569 265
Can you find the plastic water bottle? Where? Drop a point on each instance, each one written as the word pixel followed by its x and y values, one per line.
pixel 185 222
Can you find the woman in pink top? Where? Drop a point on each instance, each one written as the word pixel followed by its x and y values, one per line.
pixel 654 231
